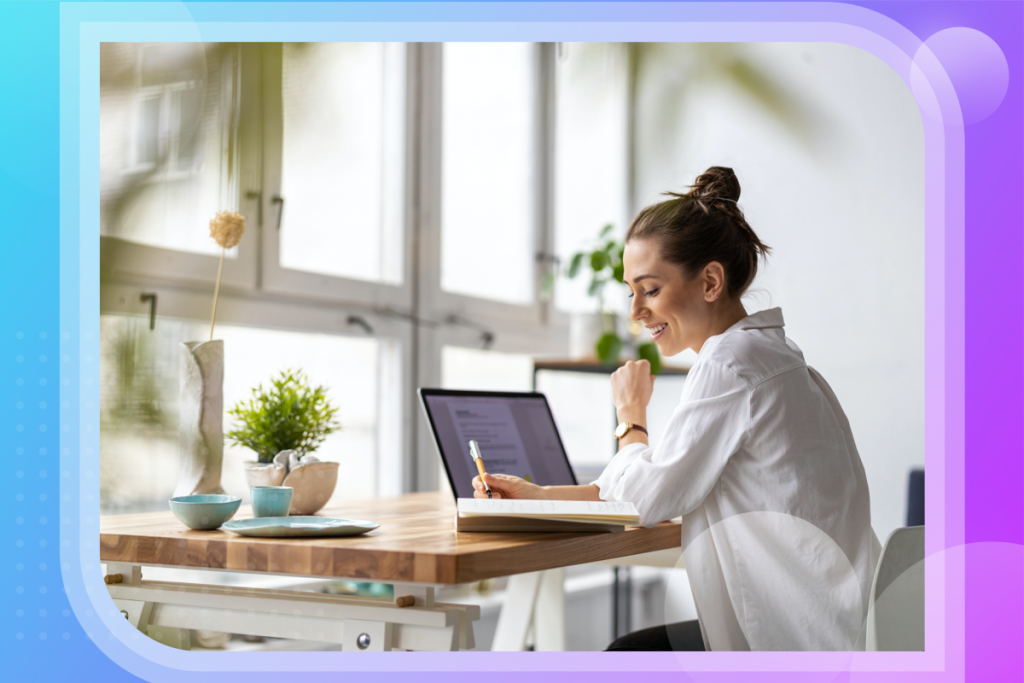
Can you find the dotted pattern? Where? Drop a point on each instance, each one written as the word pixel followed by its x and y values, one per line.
pixel 40 610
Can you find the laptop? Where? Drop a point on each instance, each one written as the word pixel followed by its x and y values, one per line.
pixel 515 431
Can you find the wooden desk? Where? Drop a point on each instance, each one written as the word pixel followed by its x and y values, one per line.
pixel 416 548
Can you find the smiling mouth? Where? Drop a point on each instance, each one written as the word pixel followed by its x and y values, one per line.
pixel 657 330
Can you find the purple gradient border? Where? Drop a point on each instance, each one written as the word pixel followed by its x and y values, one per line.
pixel 959 168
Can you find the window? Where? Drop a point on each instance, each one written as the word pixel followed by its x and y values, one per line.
pixel 591 155
pixel 487 158
pixel 168 116
pixel 367 259
pixel 139 398
pixel 342 155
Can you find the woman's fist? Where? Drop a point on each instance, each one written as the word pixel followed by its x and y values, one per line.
pixel 632 386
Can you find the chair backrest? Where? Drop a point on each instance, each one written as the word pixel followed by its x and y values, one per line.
pixel 896 604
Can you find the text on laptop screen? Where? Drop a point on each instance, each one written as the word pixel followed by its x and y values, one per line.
pixel 516 436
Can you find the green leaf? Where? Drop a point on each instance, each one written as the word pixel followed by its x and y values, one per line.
pixel 648 351
pixel 598 260
pixel 605 230
pixel 574 265
pixel 595 286
pixel 608 347
pixel 618 271
pixel 289 415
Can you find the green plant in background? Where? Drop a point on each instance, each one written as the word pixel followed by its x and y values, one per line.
pixel 290 415
pixel 604 264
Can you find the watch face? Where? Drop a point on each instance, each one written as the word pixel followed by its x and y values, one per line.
pixel 621 430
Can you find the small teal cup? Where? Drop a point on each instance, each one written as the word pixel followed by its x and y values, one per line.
pixel 271 501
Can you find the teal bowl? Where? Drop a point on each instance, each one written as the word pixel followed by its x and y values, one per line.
pixel 204 511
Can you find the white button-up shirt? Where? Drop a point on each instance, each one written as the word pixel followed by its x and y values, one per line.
pixel 759 460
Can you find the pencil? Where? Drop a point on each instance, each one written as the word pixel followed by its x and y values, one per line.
pixel 474 450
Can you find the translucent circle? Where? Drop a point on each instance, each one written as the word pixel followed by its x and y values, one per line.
pixel 42 613
pixel 42 636
pixel 20 635
pixel 42 451
pixel 42 497
pixel 42 428
pixel 42 404
pixel 42 567
pixel 42 474
pixel 42 359
pixel 42 544
pixel 976 67
pixel 20 520
pixel 42 589
pixel 20 428
pixel 19 566
pixel 42 381
pixel 66 613
pixel 20 358
pixel 19 405
pixel 42 520
pixel 20 613
pixel 19 474
pixel 19 590
pixel 20 335
pixel 42 335
pixel 19 497
pixel 19 381
pixel 66 635
pixel 20 544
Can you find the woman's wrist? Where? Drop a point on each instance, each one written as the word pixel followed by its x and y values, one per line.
pixel 635 414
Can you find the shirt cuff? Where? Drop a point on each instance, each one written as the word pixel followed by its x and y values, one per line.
pixel 617 467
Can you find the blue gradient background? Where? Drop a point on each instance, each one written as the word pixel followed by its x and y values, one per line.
pixel 49 346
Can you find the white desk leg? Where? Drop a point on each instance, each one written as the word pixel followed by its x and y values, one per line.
pixel 517 612
pixel 549 612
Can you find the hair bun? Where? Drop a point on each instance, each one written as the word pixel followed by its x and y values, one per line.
pixel 718 182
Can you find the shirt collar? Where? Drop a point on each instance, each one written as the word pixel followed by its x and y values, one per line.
pixel 764 319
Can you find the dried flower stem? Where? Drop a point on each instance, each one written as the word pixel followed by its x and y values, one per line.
pixel 216 292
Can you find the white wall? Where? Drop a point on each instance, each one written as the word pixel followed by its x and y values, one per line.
pixel 838 193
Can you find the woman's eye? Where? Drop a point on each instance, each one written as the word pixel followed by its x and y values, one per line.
pixel 651 293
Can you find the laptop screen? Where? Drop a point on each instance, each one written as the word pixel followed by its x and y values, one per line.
pixel 516 434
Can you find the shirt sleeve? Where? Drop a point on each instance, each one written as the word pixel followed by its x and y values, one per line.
pixel 673 477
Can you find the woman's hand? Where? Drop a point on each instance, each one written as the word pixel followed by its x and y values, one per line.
pixel 507 486
pixel 632 386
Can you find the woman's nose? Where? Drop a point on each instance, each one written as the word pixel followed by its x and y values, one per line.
pixel 636 311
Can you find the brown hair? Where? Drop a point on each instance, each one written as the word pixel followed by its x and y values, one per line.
pixel 705 225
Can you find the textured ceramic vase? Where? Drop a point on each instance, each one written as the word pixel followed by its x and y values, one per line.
pixel 201 412
pixel 312 480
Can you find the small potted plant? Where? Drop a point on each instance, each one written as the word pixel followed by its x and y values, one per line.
pixel 284 424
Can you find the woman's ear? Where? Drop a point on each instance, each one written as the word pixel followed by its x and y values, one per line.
pixel 714 281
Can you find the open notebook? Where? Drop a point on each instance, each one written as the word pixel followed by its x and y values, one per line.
pixel 475 514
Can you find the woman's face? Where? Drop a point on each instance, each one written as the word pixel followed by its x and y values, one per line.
pixel 674 311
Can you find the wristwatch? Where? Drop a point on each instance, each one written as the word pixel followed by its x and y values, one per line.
pixel 624 428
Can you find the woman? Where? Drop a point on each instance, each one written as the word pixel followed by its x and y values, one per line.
pixel 758 457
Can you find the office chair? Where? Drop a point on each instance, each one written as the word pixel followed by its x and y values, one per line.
pixel 896 602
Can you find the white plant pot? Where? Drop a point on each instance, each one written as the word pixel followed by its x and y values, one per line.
pixel 584 331
pixel 313 481
pixel 265 474
pixel 201 413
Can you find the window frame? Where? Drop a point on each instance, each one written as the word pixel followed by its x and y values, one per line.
pixel 416 315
